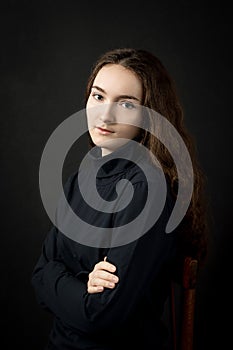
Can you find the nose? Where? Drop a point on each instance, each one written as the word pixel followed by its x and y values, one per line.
pixel 107 113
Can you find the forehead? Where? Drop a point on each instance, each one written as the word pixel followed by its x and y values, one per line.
pixel 115 79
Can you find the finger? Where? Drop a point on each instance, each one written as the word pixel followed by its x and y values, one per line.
pixel 95 282
pixel 105 276
pixel 95 289
pixel 105 265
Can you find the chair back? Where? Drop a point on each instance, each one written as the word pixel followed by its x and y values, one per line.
pixel 182 336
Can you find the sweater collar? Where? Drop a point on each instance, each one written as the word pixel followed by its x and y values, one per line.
pixel 115 162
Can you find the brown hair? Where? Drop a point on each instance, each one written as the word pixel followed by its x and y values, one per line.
pixel 160 95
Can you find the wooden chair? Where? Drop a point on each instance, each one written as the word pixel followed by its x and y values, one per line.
pixel 182 314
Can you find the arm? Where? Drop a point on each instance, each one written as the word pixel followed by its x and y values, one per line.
pixel 138 264
pixel 66 295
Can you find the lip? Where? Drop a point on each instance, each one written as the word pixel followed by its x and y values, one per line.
pixel 104 131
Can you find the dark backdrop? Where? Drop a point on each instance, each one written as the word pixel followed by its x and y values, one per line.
pixel 47 49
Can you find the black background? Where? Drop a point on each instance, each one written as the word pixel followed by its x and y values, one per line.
pixel 47 50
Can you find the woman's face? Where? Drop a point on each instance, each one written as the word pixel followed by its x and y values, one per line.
pixel 117 95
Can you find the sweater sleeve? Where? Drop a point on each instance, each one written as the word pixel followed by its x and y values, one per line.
pixel 138 263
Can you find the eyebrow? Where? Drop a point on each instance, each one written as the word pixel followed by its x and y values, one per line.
pixel 119 97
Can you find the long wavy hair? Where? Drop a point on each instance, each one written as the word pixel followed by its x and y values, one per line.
pixel 160 95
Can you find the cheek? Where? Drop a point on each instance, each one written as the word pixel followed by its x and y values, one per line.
pixel 133 118
pixel 91 117
pixel 130 131
pixel 135 122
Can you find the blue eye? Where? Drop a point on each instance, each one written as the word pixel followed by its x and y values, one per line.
pixel 127 105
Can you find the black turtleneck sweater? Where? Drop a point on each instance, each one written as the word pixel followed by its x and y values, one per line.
pixel 128 315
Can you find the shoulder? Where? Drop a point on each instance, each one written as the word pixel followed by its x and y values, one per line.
pixel 145 173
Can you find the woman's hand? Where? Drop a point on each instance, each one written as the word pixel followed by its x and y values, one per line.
pixel 102 277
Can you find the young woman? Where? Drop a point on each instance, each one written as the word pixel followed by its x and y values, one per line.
pixel 111 295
